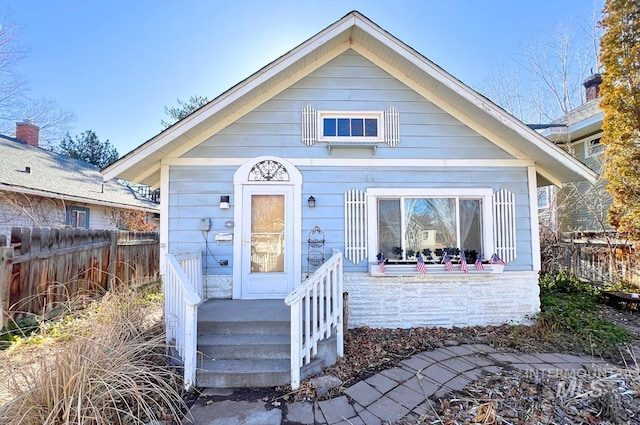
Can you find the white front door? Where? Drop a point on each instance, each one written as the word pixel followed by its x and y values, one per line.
pixel 267 241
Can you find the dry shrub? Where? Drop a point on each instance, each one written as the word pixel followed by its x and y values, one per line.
pixel 115 374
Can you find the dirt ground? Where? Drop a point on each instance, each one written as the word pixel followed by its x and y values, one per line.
pixel 494 397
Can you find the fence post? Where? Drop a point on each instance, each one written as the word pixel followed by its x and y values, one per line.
pixel 113 259
pixel 6 268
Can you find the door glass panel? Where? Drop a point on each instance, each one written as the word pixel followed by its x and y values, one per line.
pixel 267 233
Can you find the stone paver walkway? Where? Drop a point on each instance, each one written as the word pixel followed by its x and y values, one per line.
pixel 391 394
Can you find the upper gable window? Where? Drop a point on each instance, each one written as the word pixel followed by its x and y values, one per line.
pixel 342 126
pixel 593 147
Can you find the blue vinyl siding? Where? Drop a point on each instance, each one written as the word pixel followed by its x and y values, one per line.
pixel 347 83
pixel 195 192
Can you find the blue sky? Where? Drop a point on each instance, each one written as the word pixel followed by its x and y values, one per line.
pixel 117 63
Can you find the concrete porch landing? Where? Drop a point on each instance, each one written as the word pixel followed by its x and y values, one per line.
pixel 242 310
pixel 245 344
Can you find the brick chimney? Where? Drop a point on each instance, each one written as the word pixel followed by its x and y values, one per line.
pixel 28 132
pixel 592 86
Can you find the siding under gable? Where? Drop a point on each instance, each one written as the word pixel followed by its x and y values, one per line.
pixel 195 192
pixel 349 82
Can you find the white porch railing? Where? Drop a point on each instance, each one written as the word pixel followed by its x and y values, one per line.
pixel 183 293
pixel 316 309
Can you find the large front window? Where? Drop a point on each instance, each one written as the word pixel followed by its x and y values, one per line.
pixel 407 226
pixel 430 221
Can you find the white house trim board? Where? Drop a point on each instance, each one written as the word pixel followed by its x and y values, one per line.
pixel 164 217
pixel 445 106
pixel 467 93
pixel 549 176
pixel 257 101
pixel 146 173
pixel 168 136
pixel 355 162
pixel 455 98
pixel 535 224
pixel 486 106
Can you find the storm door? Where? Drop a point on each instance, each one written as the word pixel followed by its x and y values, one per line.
pixel 267 252
pixel 267 244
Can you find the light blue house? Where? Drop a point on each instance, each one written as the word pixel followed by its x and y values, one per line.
pixel 353 147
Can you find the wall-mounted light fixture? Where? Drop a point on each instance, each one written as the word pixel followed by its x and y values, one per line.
pixel 312 202
pixel 224 202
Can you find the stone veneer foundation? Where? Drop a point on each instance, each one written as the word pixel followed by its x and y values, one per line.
pixel 430 301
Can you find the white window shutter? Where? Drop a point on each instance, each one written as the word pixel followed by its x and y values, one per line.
pixel 392 126
pixel 309 125
pixel 355 226
pixel 504 224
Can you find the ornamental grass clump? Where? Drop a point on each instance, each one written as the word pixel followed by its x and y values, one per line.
pixel 115 374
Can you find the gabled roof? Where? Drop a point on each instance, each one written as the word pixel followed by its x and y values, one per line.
pixel 36 171
pixel 582 121
pixel 354 31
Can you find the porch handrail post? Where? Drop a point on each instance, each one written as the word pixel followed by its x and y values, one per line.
pixel 296 343
pixel 190 343
pixel 181 312
pixel 340 289
pixel 321 294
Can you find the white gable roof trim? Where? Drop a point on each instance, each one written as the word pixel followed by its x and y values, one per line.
pixel 363 36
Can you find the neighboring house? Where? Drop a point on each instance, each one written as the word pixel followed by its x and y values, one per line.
pixel 355 132
pixel 590 248
pixel 578 208
pixel 40 188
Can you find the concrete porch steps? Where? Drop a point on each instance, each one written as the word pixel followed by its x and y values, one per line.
pixel 245 344
pixel 241 346
pixel 234 373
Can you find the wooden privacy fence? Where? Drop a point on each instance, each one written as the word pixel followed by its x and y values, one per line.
pixel 600 263
pixel 43 269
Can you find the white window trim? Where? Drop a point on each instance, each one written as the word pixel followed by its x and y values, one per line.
pixel 587 146
pixel 373 194
pixel 379 115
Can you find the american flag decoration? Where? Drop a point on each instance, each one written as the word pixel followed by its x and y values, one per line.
pixel 478 263
pixel 463 262
pixel 496 260
pixel 420 266
pixel 447 262
pixel 381 264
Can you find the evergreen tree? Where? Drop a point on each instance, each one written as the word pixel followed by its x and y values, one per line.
pixel 184 109
pixel 89 148
pixel 620 57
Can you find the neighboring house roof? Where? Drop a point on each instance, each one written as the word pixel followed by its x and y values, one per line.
pixel 36 171
pixel 582 121
pixel 356 32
